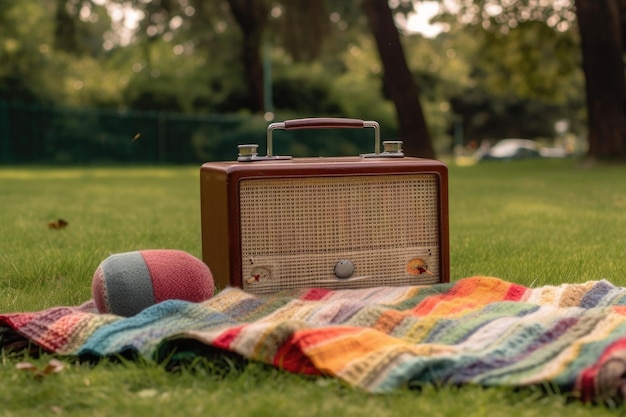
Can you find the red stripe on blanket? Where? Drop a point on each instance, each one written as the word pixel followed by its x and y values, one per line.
pixel 515 293
pixel 315 294
pixel 331 348
pixel 18 320
pixel 291 358
pixel 620 310
pixel 610 367
pixel 225 339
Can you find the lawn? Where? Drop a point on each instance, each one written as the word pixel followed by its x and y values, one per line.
pixel 534 223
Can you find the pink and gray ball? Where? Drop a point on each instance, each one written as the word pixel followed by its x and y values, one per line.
pixel 126 283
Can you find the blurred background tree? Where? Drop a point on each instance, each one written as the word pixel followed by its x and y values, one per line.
pixel 549 34
pixel 602 29
pixel 493 69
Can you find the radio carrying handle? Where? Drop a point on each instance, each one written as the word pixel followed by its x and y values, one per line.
pixel 392 148
pixel 323 123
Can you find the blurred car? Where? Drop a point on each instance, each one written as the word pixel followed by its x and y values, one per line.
pixel 510 149
pixel 553 153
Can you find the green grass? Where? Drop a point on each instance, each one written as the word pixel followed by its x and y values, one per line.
pixel 108 210
pixel 535 223
pixel 540 222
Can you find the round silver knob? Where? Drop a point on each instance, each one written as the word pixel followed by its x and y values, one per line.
pixel 344 269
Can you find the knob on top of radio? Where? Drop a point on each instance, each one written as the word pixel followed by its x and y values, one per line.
pixel 248 151
pixel 392 149
pixel 392 146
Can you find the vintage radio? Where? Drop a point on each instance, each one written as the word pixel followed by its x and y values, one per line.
pixel 276 222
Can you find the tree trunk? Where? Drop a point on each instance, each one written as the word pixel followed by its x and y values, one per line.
pixel 65 38
pixel 622 14
pixel 398 80
pixel 252 15
pixel 600 28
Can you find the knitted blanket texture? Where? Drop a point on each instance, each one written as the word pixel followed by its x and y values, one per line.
pixel 479 330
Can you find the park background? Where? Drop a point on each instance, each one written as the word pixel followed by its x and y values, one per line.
pixel 183 81
pixel 91 102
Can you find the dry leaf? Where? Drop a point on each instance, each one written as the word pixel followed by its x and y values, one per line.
pixel 25 366
pixel 57 224
pixel 52 367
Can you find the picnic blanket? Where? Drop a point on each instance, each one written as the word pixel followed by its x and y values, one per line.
pixel 479 330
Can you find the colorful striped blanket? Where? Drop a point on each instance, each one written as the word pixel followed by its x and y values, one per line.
pixel 478 330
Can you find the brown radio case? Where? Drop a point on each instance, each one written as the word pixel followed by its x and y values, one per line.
pixel 274 222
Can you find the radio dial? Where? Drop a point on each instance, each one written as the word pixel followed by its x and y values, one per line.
pixel 259 274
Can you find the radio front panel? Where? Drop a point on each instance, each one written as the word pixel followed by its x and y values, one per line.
pixel 340 231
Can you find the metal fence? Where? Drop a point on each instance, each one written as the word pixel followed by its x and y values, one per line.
pixel 60 135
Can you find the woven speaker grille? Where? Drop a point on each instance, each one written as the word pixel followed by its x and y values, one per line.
pixel 295 230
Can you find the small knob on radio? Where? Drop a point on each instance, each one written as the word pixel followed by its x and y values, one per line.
pixel 247 152
pixel 392 147
pixel 344 269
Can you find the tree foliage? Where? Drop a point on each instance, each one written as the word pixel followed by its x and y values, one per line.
pixel 503 68
pixel 601 28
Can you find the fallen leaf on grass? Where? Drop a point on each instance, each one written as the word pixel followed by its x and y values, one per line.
pixel 25 366
pixel 54 366
pixel 57 224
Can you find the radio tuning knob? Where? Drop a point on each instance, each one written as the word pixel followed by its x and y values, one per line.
pixel 344 269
